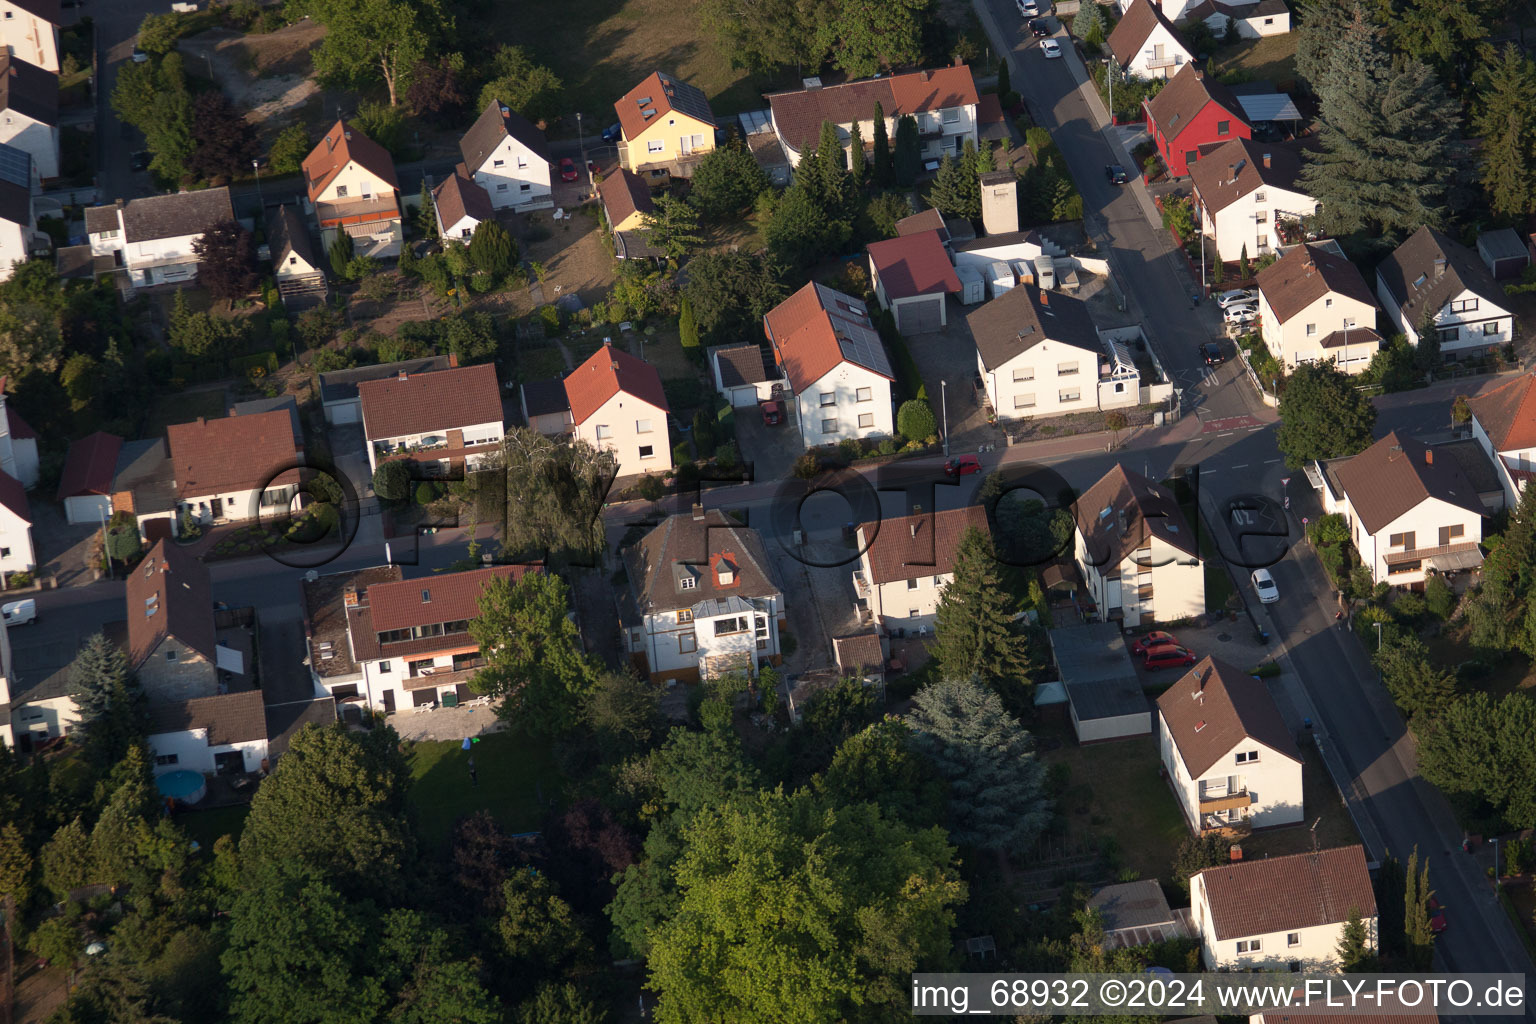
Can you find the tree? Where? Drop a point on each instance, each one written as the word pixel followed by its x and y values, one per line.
pixel 289 150
pixel 538 929
pixel 673 228
pixel 908 157
pixel 866 38
pixel 1442 33
pixel 1004 86
pixel 858 161
pixel 158 33
pixel 1089 26
pixel 66 860
pixel 623 712
pixel 57 941
pixel 226 145
pixel 426 213
pixel 687 325
pixel 81 380
pixel 880 158
pixel 555 498
pixel 914 420
pixel 1354 950
pixel 1504 121
pixel 1418 687
pixel 1420 937
pixel 392 481
pixel 491 249
pixel 533 653
pixel 435 86
pixel 155 99
pixel 375 39
pixel 109 698
pixel 1322 416
pixel 341 254
pixel 1318 27
pixel 1479 753
pixel 16 865
pixel 880 765
pixel 996 785
pixel 384 123
pixel 956 190
pixel 729 292
pixel 976 635
pixel 1196 853
pixel 1461 410
pixel 800 233
pixel 29 340
pixel 561 1003
pixel 227 260
pixel 727 181
pixel 528 88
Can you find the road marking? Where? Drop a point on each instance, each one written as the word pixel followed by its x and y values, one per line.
pixel 1270 462
pixel 1240 465
pixel 1228 433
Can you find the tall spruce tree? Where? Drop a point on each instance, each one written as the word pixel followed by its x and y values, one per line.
pixel 1506 122
pixel 880 158
pixel 977 636
pixel 1420 938
pixel 1319 25
pixel 1444 34
pixel 109 698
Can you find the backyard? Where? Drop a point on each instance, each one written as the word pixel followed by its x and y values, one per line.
pixel 517 783
pixel 1272 59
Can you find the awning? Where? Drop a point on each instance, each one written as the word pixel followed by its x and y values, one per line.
pixel 1455 561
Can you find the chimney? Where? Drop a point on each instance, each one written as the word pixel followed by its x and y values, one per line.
pixel 1439 265
pixel 403 375
pixel 1199 75
pixel 1045 298
pixel 1266 160
pixel 1429 456
pixel 1231 172
pixel 1000 203
pixel 453 360
pixel 202 422
pixel 698 511
pixel 349 598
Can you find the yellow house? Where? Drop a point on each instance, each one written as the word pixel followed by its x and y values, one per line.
pixel 667 126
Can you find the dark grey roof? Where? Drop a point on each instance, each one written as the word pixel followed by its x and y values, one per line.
pixel 545 397
pixel 1091 653
pixel 40 661
pixel 1429 269
pixel 1474 462
pixel 15 202
pixel 73 261
pixel 227 717
pixel 1022 317
pixel 103 218
pixel 1131 905
pixel 341 385
pixel 145 468
pixel 495 123
pixel 256 406
pixel 287 232
pixel 1503 244
pixel 28 90
pixel 740 365
pixel 1113 698
pixel 185 213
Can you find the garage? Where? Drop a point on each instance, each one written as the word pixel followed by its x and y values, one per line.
pixel 921 315
pixel 87 508
pixel 1103 694
pixel 86 483
pixel 743 374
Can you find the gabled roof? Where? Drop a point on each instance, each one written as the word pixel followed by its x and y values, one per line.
pixel 799 113
pixel 607 372
pixel 741 365
pixel 1213 708
pixel 90 465
pixel 660 94
pixel 913 265
pixel 1429 270
pixel 185 213
pixel 817 328
pixel 28 90
pixel 1139 904
pixel 859 654
pixel 910 547
pixel 169 594
pixel 1508 413
pixel 103 218
pixel 1124 509
pixel 1236 168
pixel 288 233
pixel 1306 274
pixel 341 385
pixel 1283 894
pixel 927 220
pixel 1022 317
pixel 623 193
pixel 545 397
pixel 343 145
pixel 236 453
pixel 228 717
pixel 1185 96
pixel 459 196
pixel 495 124
pixel 671 553
pixel 420 403
pixel 1125 42
pixel 1395 475
pixel 14 497
pixel 445 597
pixel 49 10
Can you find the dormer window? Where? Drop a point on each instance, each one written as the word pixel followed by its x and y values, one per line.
pixel 687 583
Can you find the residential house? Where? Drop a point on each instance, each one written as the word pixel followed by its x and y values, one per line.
pixel 1253 19
pixel 666 127
pixel 506 156
pixel 912 275
pixel 171 637
pixel 1281 912
pixel 835 363
pixel 943 101
pixel 617 403
pixel 1226 751
pixel 29 113
pixel 220 734
pixel 16 553
pixel 352 190
pixel 1504 426
pixel 905 563
pixel 19 237
pixel 35 706
pixel 703 600
pixel 743 375
pixel 1137 553
pixel 460 206
pixel 1245 192
pixel 296 267
pixel 1431 280
pixel 232 469
pixel 86 483
pixel 1314 306
pixel 1039 354
pixel 626 202
pixel 387 643
pixel 151 238
pixel 1145 43
pixel 445 422
pixel 18 443
pixel 1192 111
pixel 29 29
pixel 1408 512
pixel 338 388
pixel 1135 914
pixel 545 407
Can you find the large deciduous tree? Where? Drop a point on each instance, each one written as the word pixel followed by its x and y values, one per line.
pixel 976 635
pixel 730 292
pixel 533 653
pixel 527 87
pixel 226 145
pixel 1322 416
pixel 227 260
pixel 1479 751
pixel 864 38
pixel 368 40
pixel 765 35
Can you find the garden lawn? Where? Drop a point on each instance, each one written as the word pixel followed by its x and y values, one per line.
pixel 207 826
pixel 539 362
pixel 1272 58
pixel 1321 803
pixel 518 784
pixel 1513 671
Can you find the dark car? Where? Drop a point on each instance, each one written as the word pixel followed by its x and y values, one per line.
pixel 613 133
pixel 962 465
pixel 773 414
pixel 1116 174
pixel 1211 352
pixel 1153 640
pixel 1039 28
pixel 139 161
pixel 1171 656
pixel 568 170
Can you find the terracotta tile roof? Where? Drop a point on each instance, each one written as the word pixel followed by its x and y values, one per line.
pixel 663 94
pixel 1138 508
pixel 1022 317
pixel 1213 708
pixel 913 265
pixel 341 385
pixel 458 196
pixel 660 563
pixel 228 717
pixel 446 597
pixel 1278 894
pixel 1306 274
pixel 1185 96
pixel 990 121
pixel 20 429
pixel 14 497
pixel 90 465
pixel 607 372
pixel 816 329
pixel 238 453
pixel 1234 169
pixel 741 365
pixel 1126 40
pixel 169 594
pixel 185 213
pixel 1396 474
pixel 798 114
pixel 859 654
pixel 928 220
pixel 1421 286
pixel 341 146
pixel 495 123
pixel 28 90
pixel 1507 413
pixel 623 194
pixel 910 547
pixel 423 402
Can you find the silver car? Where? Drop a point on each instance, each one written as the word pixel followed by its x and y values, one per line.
pixel 1264 586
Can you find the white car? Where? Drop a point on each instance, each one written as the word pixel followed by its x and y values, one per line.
pixel 19 613
pixel 1051 48
pixel 1028 8
pixel 1241 314
pixel 1241 297
pixel 1264 586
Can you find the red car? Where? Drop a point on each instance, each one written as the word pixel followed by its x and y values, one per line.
pixel 1156 638
pixel 962 465
pixel 773 414
pixel 568 170
pixel 1169 657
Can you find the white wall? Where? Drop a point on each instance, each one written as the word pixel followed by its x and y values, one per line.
pixel 1424 520
pixel 15 543
pixel 39 141
pixel 1273 781
pixel 1172 51
pixel 1316 948
pixel 1506 478
pixel 29 37
pixel 902 604
pixel 13 246
pixel 1177 579
pixel 871 417
pixel 239 505
pixel 475 434
pixel 1100 729
pixel 42 719
pixel 1046 383
pixel 1240 223
pixel 622 417
pixel 522 180
pixel 1299 339
pixel 87 509
pixel 1255 27
pixel 667 634
pixel 1468 322
pixel 359 183
pixel 192 752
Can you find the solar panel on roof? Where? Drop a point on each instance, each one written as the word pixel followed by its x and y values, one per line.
pixel 15 166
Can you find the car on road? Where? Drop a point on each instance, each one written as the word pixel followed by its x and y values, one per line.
pixel 1242 296
pixel 1028 8
pixel 1153 640
pixel 1116 174
pixel 773 413
pixel 1211 353
pixel 1051 48
pixel 1039 29
pixel 139 56
pixel 1240 314
pixel 1264 586
pixel 1170 656
pixel 962 465
pixel 613 133
pixel 568 170
pixel 140 161
pixel 19 613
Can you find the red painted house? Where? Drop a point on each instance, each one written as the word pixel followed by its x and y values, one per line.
pixel 1193 111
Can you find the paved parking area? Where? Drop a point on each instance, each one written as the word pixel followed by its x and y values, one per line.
pixel 949 356
pixel 771 450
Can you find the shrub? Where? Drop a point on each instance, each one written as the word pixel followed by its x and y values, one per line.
pixel 1267 670
pixel 807 466
pixel 849 448
pixel 392 481
pixel 887 446
pixel 704 433
pixel 550 317
pixel 681 453
pixel 1439 598
pixel 914 420
pixel 426 492
pixel 651 488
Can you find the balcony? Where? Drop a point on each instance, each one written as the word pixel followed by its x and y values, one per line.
pixel 357 211
pixel 860 584
pixel 1445 557
pixel 1153 63
pixel 1214 801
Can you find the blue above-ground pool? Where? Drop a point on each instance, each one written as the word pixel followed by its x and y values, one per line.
pixel 185 787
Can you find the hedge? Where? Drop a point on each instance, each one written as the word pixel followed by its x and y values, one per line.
pixel 908 378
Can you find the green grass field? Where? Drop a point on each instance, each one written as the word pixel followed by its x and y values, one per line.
pixel 1272 58
pixel 517 783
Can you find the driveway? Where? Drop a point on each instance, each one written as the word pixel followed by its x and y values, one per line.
pixel 771 451
pixel 948 356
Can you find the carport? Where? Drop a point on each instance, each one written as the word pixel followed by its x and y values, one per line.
pixel 1102 689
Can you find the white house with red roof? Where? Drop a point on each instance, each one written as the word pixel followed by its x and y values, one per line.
pixel 444 421
pixel 352 189
pixel 506 156
pixel 232 469
pixel 18 444
pixel 913 277
pixel 460 206
pixel 617 403
pixel 15 527
pixel 906 562
pixel 1504 424
pixel 836 365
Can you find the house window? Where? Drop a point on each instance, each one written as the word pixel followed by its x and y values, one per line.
pixel 109 234
pixel 1450 533
pixel 1268 22
pixel 1069 395
pixel 1066 369
pixel 5 552
pixel 913 613
pixel 866 420
pixel 1262 217
pixel 1402 540
pixel 1258 197
pixel 685 615
pixel 160 759
pixel 1120 388
pixel 1491 328
pixel 1448 334
pixel 1023 373
pixel 864 395
pixel 687 643
pixel 497 163
pixel 384 667
pixel 170 655
pixel 1311 329
pixel 1263 241
pixel 828 398
pixel 688 583
pixel 912 584
pixel 1293 939
pixel 734 624
pixel 1247 756
pixel 1223 127
pixel 829 426
pixel 655 146
pixel 522 162
pixel 642 426
pixel 1464 306
pixel 1248 945
pixel 647 451
pixel 950 115
pixel 1024 401
pixel 762 645
pixel 604 432
pixel 521 188
pixel 341 191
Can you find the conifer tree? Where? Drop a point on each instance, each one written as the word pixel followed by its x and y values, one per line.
pixel 858 166
pixel 976 633
pixel 880 159
pixel 1506 122
pixel 1354 949
pixel 908 158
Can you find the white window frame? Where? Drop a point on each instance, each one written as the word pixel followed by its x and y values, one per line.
pixel 656 146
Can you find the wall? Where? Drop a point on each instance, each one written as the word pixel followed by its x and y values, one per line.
pixel 190 675
pixel 622 414
pixel 1424 520
pixel 1045 388
pixel 669 129
pixel 16 553
pixel 522 181
pixel 1291 344
pixel 1237 225
pixel 1173 50
pixel 13 246
pixel 1100 729
pixel 43 719
pixel 474 435
pixel 359 182
pixel 1199 132
pixel 87 510
pixel 29 37
pixel 843 383
pixel 238 505
pixel 192 752
pixel 1316 948
pixel 1506 479
pixel 38 140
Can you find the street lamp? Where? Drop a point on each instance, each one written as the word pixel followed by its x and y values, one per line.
pixel 1495 869
pixel 1378 635
pixel 256 166
pixel 1347 325
pixel 944 406
pixel 581 146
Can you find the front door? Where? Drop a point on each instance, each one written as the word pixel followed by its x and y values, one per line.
pixel 389 702
pixel 217 505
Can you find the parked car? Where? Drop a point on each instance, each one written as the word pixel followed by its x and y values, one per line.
pixel 1264 586
pixel 1241 296
pixel 140 161
pixel 1240 314
pixel 1039 29
pixel 568 170
pixel 1171 656
pixel 1051 48
pixel 1153 640
pixel 1211 353
pixel 962 465
pixel 139 56
pixel 19 613
pixel 1028 8
pixel 773 413
pixel 613 133
pixel 1116 174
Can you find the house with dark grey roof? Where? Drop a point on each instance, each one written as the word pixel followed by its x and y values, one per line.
pixel 1137 553
pixel 299 273
pixel 1433 282
pixel 19 237
pixel 460 206
pixel 29 112
pixel 151 239
pixel 545 406
pixel 1104 696
pixel 743 374
pixel 704 599
pixel 506 156
pixel 338 388
pixel 37 691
